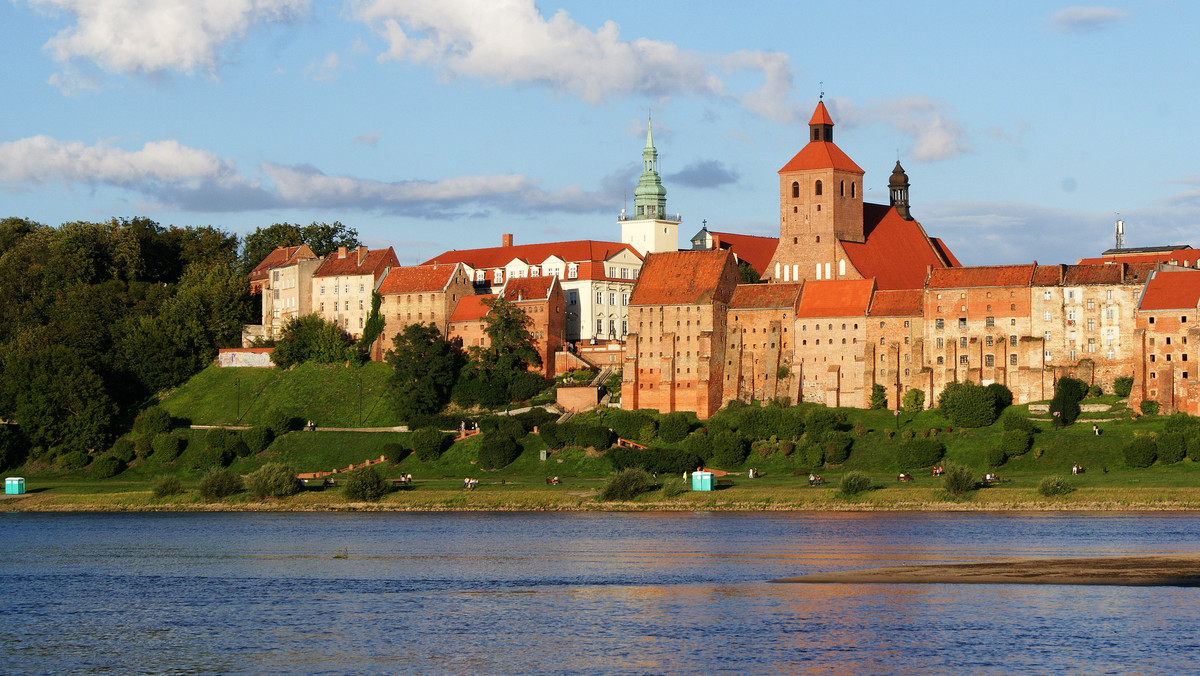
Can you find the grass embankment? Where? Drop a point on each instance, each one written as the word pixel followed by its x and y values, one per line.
pixel 329 395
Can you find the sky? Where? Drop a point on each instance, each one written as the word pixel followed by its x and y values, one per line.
pixel 1026 128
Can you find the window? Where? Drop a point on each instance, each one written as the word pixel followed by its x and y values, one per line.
pixel 360 320
pixel 1071 355
pixel 361 288
pixel 497 276
pixel 600 298
pixel 962 323
pixel 940 343
pixel 624 273
pixel 842 189
pixel 1111 354
pixel 940 361
pixel 939 323
pixel 1091 344
pixel 612 327
pixel 612 299
pixel 1152 320
pixel 1091 324
pixel 624 327
pixel 347 288
pixel 817 188
pixel 964 360
pixel 322 307
pixel 1046 294
pixel 322 289
pixel 1046 337
pixel 1046 355
pixel 599 326
pixel 1012 340
pixel 989 360
pixel 276 294
pixel 1091 304
pixel 360 304
pixel 962 342
pixel 572 298
pixel 1070 316
pixel 795 189
pixel 988 341
pixel 572 270
pixel 1046 316
pixel 624 299
pixel 1108 295
pixel 612 272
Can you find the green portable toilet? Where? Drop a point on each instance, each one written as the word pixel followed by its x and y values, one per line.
pixel 14 485
pixel 702 481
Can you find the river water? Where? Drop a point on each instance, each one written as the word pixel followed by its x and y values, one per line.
pixel 579 593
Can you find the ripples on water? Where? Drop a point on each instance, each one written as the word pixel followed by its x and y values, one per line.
pixel 573 593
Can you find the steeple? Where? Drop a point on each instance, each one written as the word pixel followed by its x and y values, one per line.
pixel 650 197
pixel 898 187
pixel 821 125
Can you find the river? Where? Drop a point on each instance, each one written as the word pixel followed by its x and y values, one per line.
pixel 582 593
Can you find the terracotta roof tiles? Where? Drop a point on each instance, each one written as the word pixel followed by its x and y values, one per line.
pixel 754 296
pixel 821 155
pixel 471 308
pixel 898 303
pixel 836 298
pixel 755 250
pixel 1172 290
pixel 375 262
pixel 528 288
pixel 281 256
pixel 589 254
pixel 981 276
pixel 897 253
pixel 418 278
pixel 681 277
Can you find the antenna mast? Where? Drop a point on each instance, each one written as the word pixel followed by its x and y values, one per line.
pixel 1120 232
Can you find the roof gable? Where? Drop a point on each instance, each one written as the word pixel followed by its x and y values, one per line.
pixel 528 288
pixel 683 278
pixel 1172 290
pixel 374 262
pixel 755 250
pixel 896 252
pixel 279 257
pixel 580 251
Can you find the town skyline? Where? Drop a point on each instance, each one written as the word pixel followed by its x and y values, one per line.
pixel 433 130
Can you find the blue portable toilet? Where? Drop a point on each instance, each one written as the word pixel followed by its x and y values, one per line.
pixel 14 485
pixel 702 481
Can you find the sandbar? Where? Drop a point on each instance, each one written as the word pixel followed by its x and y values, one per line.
pixel 1166 570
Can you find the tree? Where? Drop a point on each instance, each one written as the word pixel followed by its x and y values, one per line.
pixel 747 272
pixel 878 397
pixel 425 367
pixel 273 480
pixel 322 238
pixel 913 401
pixel 507 329
pixel 310 338
pixel 374 325
pixel 1068 392
pixel 57 399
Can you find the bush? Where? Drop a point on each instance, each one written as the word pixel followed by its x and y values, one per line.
pixel 273 480
pixel 660 460
pixel 1172 447
pixel 142 446
pixel 429 443
pixel 1015 442
pixel 166 446
pixel 995 456
pixel 1149 407
pixel 73 460
pixel 122 450
pixel 853 483
pixel 1054 485
pixel 821 420
pixel 699 444
pixel 1013 420
pixel 1064 407
pixel 913 401
pixel 919 453
pixel 626 485
pixel 878 397
pixel 524 385
pixel 1141 452
pixel 1123 386
pixel 729 450
pixel 278 422
pixel 586 436
pixel 786 448
pixel 394 452
pixel 837 447
pixel 207 458
pixel 105 466
pixel 152 420
pixel 814 455
pixel 219 482
pixel 364 483
pixel 674 427
pixel 968 405
pixel 1003 395
pixel 498 450
pixel 860 428
pixel 167 485
pixel 958 480
pixel 1095 391
pixel 256 439
pixel 674 487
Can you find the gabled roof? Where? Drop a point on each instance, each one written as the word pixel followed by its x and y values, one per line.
pixel 580 251
pixel 836 298
pixel 897 253
pixel 375 262
pixel 471 308
pixel 528 288
pixel 821 155
pixel 945 251
pixel 681 277
pixel 775 296
pixel 981 276
pixel 755 250
pixel 1172 290
pixel 281 256
pixel 898 303
pixel 418 279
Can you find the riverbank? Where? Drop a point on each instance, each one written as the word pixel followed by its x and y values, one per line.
pixel 581 495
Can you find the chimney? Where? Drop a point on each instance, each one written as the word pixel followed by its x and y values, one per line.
pixel 506 239
pixel 716 240
pixel 362 253
pixel 341 252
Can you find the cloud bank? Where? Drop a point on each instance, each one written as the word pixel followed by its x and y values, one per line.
pixel 1084 19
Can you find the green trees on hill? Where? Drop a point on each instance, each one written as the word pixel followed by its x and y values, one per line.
pixel 425 367
pixel 322 238
pixel 311 339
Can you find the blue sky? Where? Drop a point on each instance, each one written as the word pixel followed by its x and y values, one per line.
pixel 1023 126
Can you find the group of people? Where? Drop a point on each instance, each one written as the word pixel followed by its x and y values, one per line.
pixel 938 471
pixel 309 425
pixel 754 473
pixel 904 476
pixel 554 482
pixel 815 479
pixel 406 479
pixel 1076 468
pixel 991 477
pixel 470 484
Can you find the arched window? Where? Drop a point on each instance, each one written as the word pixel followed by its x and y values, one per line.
pixel 842 267
pixel 842 189
pixel 852 189
pixel 817 188
pixel 795 189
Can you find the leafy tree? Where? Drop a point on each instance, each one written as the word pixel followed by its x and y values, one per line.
pixel 1122 386
pixel 364 483
pixel 729 449
pixel 373 326
pixel 57 399
pixel 429 443
pixel 310 339
pixel 511 344
pixel 273 480
pixel 105 466
pixel 425 367
pixel 968 405
pixel 322 238
pixel 256 439
pixel 1068 392
pixel 498 450
pixel 747 273
pixel 626 485
pixel 878 397
pixel 674 427
pixel 152 420
pixel 13 446
pixel 1140 452
pixel 220 482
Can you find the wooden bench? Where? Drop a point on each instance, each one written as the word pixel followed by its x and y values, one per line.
pixel 724 482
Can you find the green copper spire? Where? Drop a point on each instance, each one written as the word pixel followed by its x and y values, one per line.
pixel 649 197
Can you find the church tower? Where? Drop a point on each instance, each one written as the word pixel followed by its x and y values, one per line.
pixel 898 189
pixel 820 204
pixel 649 229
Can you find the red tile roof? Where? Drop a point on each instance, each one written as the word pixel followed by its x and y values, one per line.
pixel 821 155
pixel 836 298
pixel 471 308
pixel 821 115
pixel 681 277
pixel 281 256
pixel 1172 290
pixel 755 250
pixel 418 278
pixel 374 263
pixel 945 251
pixel 897 253
pixel 528 288
pixel 1093 274
pixel 898 303
pixel 1048 275
pixel 1139 272
pixel 752 296
pixel 982 275
pixel 588 253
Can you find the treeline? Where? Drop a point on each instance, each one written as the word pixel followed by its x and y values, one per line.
pixel 96 318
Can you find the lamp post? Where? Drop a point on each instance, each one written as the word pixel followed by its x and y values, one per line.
pixel 237 386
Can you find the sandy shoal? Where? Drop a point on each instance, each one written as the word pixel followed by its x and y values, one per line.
pixel 1173 570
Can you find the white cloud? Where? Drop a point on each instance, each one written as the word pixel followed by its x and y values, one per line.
pixel 935 133
pixel 325 70
pixel 170 174
pixel 1084 19
pixel 509 41
pixel 146 37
